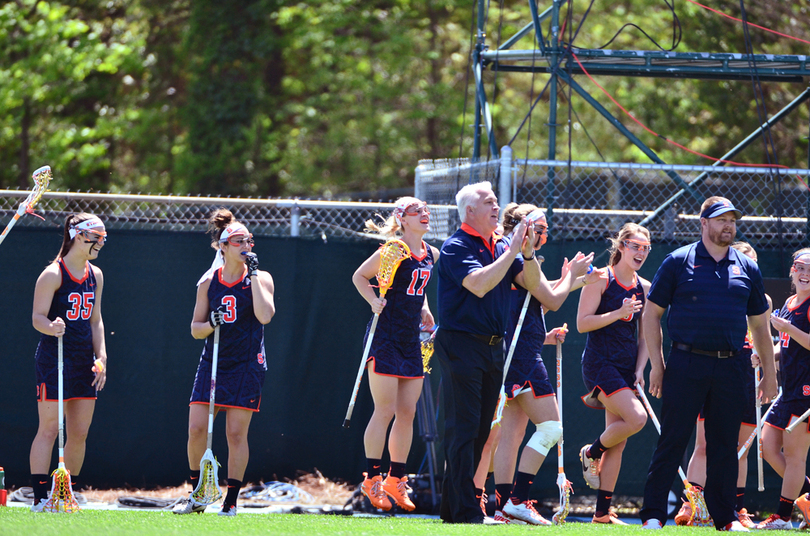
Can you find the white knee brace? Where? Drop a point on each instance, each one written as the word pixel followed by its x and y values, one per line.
pixel 546 436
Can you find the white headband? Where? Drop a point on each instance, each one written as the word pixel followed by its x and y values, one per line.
pixel 91 223
pixel 233 229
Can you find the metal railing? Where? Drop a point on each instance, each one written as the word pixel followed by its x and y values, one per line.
pixel 264 217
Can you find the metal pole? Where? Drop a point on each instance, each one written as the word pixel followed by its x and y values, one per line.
pixel 505 185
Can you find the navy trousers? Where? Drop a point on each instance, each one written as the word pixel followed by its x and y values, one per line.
pixel 692 381
pixel 472 372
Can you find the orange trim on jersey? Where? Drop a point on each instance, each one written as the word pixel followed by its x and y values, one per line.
pixel 224 407
pixel 793 299
pixel 424 247
pixel 63 266
pixel 488 242
pixel 231 285
pixel 634 284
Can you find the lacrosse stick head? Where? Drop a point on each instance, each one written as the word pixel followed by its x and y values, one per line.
pixel 427 352
pixel 392 253
pixel 62 499
pixel 566 489
pixel 700 512
pixel 42 178
pixel 207 490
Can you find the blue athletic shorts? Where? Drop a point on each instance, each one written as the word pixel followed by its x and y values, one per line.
pixel 530 373
pixel 239 386
pixel 392 358
pixel 784 412
pixel 76 381
pixel 604 377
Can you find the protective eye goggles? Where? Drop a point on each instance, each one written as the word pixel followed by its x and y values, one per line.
pixel 635 245
pixel 541 229
pixel 240 240
pixel 94 236
pixel 801 268
pixel 415 210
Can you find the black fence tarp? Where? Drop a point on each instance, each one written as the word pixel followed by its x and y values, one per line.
pixel 314 345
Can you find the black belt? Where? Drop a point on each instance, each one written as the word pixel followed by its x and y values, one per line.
pixel 688 348
pixel 491 340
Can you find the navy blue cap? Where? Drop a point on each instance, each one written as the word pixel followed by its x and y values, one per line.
pixel 721 207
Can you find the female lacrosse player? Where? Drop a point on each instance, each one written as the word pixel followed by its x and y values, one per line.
pixel 613 361
pixel 527 385
pixel 238 297
pixel 696 472
pixel 396 369
pixel 67 304
pixel 787 452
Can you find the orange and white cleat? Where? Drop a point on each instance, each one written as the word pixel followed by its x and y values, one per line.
pixel 397 489
pixel 373 489
pixel 684 515
pixel 524 511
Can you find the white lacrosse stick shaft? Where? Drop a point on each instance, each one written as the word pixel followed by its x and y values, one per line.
pixel 213 395
pixel 795 423
pixel 61 410
pixel 745 446
pixel 760 474
pixel 654 419
pixel 518 327
pixel 562 481
pixel 366 350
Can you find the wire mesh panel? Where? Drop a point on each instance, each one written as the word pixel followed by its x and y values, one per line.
pixel 264 217
pixel 594 199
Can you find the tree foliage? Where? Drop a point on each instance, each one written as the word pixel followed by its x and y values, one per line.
pixel 272 98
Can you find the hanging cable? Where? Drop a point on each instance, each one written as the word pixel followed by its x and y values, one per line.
pixel 677 31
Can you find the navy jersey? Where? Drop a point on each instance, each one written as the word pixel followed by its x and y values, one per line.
pixel 532 333
pixel 241 338
pixel 73 302
pixel 795 358
pixel 400 319
pixel 616 343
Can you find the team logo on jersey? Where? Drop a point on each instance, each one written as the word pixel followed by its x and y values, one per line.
pixel 260 358
pixel 735 270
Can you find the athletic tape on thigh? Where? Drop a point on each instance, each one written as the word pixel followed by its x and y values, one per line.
pixel 546 436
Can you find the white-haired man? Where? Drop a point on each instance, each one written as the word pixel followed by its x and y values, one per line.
pixel 476 271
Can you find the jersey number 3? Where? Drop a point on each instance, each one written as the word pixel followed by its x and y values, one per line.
pixel 416 275
pixel 81 305
pixel 229 302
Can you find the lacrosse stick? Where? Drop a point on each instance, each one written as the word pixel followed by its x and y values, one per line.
pixel 700 512
pixel 392 254
pixel 207 490
pixel 753 435
pixel 427 350
pixel 502 397
pixel 795 423
pixel 61 499
pixel 563 483
pixel 760 475
pixel 42 177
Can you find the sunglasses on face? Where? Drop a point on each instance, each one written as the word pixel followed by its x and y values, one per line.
pixel 415 210
pixel 238 242
pixel 637 246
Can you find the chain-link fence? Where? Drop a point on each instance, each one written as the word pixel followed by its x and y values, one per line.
pixel 593 199
pixel 264 217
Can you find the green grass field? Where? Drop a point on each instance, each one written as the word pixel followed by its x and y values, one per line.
pixel 21 522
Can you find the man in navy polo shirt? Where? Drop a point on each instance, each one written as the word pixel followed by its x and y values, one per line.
pixel 714 294
pixel 476 271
